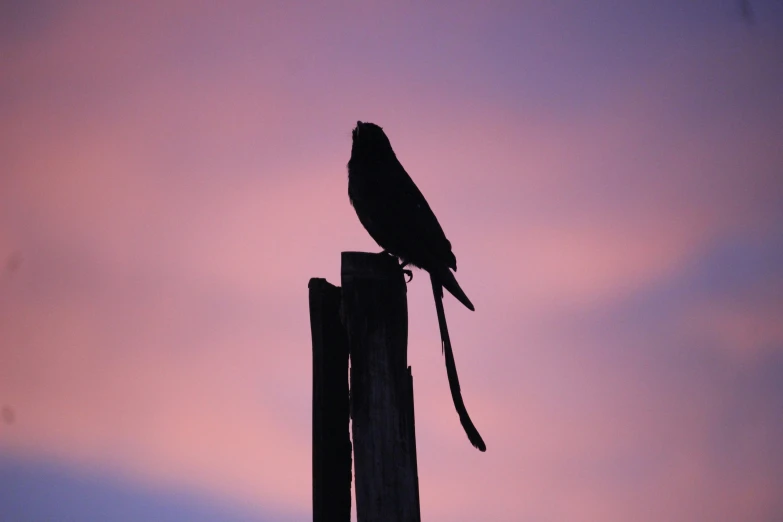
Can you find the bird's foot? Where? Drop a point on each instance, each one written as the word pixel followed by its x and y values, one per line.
pixel 402 266
pixel 406 272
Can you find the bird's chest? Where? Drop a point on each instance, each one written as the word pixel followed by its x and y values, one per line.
pixel 370 185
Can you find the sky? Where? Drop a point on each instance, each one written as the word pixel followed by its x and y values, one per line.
pixel 610 175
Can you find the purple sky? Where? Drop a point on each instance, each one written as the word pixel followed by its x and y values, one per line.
pixel 609 173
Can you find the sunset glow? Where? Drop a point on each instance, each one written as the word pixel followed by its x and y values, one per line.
pixel 610 175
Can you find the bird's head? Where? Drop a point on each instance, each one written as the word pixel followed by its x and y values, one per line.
pixel 370 138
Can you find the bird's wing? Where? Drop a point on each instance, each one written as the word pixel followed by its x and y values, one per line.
pixel 413 220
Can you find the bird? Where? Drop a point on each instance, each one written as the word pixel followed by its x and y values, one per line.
pixel 394 212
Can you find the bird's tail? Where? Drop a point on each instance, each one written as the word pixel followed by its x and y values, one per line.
pixel 451 369
pixel 449 282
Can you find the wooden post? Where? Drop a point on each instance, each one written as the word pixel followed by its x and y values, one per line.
pixel 331 442
pixel 375 314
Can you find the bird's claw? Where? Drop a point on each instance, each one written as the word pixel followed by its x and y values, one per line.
pixel 402 266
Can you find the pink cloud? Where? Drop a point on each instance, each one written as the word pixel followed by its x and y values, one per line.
pixel 747 330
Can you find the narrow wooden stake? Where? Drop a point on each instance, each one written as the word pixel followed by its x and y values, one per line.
pixel 375 313
pixel 331 442
pixel 411 424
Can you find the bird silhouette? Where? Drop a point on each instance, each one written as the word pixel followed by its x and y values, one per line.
pixel 394 212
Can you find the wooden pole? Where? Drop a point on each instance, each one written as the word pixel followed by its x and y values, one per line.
pixel 331 442
pixel 375 314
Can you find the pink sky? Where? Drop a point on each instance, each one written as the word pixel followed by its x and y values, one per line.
pixel 610 176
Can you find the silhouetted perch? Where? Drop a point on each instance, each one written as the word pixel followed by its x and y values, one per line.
pixel 375 314
pixel 331 441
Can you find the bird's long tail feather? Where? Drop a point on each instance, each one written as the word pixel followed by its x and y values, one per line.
pixel 451 370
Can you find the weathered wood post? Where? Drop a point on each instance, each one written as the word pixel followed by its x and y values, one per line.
pixel 331 442
pixel 369 318
pixel 375 314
